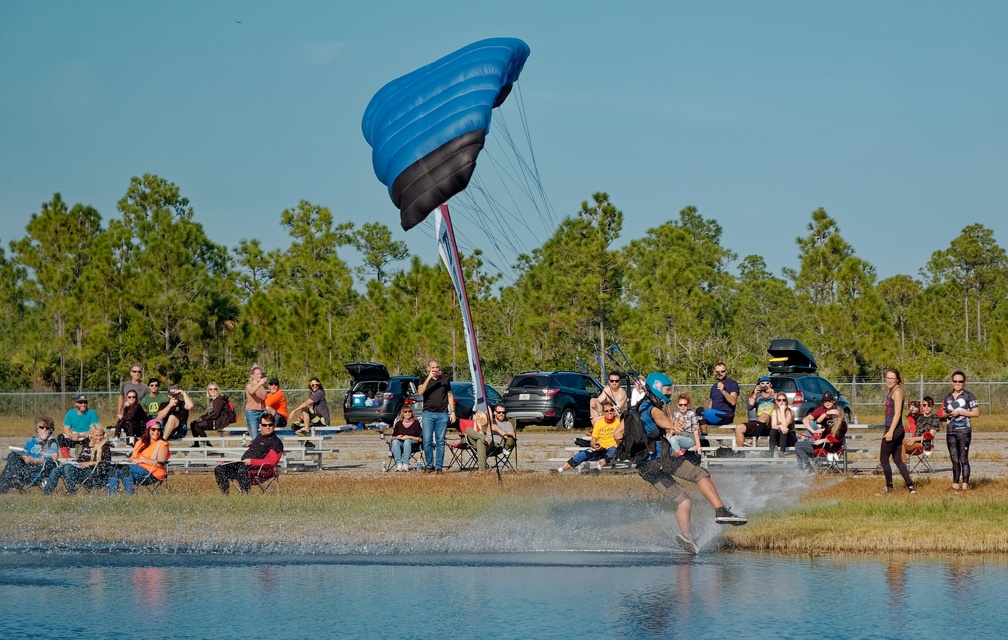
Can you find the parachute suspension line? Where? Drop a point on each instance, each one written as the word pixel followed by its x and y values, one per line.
pixel 449 255
pixel 528 173
pixel 535 166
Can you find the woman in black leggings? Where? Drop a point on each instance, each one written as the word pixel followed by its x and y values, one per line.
pixel 892 439
pixel 958 407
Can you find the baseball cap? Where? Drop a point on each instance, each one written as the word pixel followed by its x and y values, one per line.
pixel 275 381
pixel 828 397
pixel 765 379
pixel 154 422
pixel 81 398
pixel 173 389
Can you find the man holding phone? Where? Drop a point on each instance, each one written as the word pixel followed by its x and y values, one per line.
pixel 438 411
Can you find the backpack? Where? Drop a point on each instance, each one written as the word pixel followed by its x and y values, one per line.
pixel 635 444
pixel 228 411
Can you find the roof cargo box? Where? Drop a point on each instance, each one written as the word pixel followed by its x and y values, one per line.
pixel 790 356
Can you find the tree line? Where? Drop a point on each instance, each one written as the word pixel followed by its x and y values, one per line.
pixel 82 300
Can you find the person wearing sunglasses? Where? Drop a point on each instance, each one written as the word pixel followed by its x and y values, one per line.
pixel 313 412
pixel 77 422
pixel 892 439
pixel 959 406
pixel 613 392
pixel 406 437
pixel 37 461
pixel 132 417
pixel 148 463
pixel 134 384
pixel 503 430
pixel 760 405
pixel 781 425
pixel 724 394
pixel 215 417
pixel 603 440
pixel 685 432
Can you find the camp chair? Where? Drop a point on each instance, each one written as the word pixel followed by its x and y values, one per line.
pixel 507 458
pixel 416 450
pixel 920 453
pixel 462 454
pixel 265 476
pixel 825 461
pixel 151 482
pixel 26 476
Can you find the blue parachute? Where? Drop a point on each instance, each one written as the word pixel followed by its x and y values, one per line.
pixel 427 127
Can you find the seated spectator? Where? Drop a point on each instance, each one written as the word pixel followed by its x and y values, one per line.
pixel 92 465
pixel 133 418
pixel 826 429
pixel 215 416
pixel 686 427
pixel 503 431
pixel 147 464
pixel 925 422
pixel 77 422
pixel 781 425
pixel 276 404
pixel 480 437
pixel 603 443
pixel 315 410
pixel 406 436
pixel 614 392
pixel 815 420
pixel 37 461
pixel 266 449
pixel 155 400
pixel 175 415
pixel 761 401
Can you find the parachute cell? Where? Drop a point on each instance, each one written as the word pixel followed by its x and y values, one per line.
pixel 427 127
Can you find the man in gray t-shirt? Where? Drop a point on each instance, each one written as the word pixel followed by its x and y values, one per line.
pixel 503 431
pixel 133 384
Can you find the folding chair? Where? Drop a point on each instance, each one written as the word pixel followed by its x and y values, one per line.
pixel 25 477
pixel 264 476
pixel 462 454
pixel 507 458
pixel 920 453
pixel 416 450
pixel 152 483
pixel 826 461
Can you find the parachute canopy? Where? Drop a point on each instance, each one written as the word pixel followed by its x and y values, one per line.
pixel 427 127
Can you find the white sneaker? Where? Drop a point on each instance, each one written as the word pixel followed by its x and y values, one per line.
pixel 560 469
pixel 403 467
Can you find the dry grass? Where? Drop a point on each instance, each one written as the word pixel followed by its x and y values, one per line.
pixel 854 517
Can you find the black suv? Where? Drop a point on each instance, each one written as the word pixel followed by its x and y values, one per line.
pixel 374 395
pixel 550 397
pixel 793 372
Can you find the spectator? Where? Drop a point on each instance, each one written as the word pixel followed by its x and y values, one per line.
pixel 255 400
pixel 686 427
pixel 132 417
pixel 503 430
pixel 147 465
pixel 480 437
pixel 815 420
pixel 664 472
pixel 827 433
pixel 135 385
pixel 406 435
pixel 959 406
pixel 37 461
pixel 723 398
pixel 276 404
pixel 637 393
pixel 892 438
pixel 92 465
pixel 603 441
pixel 315 410
pixel 925 422
pixel 761 403
pixel 614 392
pixel 438 411
pixel 78 422
pixel 215 416
pixel 175 414
pixel 155 400
pixel 266 449
pixel 781 425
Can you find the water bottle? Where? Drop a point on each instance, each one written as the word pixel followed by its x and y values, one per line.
pixel 115 441
pixel 244 439
pixel 384 466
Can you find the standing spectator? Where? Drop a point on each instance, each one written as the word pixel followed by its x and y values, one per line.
pixel 781 425
pixel 135 385
pixel 92 465
pixel 406 434
pixel 685 427
pixel 892 439
pixel 614 393
pixel 438 411
pixel 132 417
pixel 78 422
pixel 147 464
pixel 214 418
pixel 761 402
pixel 37 461
pixel 276 404
pixel 315 410
pixel 175 414
pixel 266 449
pixel 723 397
pixel 959 406
pixel 155 400
pixel 255 400
pixel 603 442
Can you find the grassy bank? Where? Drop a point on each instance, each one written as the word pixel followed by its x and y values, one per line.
pixel 391 510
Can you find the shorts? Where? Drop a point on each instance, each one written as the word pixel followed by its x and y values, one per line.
pixel 652 473
pixel 756 429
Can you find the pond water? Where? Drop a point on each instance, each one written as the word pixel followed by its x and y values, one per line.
pixel 101 593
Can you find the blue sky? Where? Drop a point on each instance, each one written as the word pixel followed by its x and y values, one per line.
pixel 890 115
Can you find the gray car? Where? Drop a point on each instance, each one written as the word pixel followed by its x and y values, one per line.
pixel 793 372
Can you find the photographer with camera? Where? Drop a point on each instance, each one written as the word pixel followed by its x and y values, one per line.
pixel 761 400
pixel 176 412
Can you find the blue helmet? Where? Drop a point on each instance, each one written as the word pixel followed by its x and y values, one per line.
pixel 655 381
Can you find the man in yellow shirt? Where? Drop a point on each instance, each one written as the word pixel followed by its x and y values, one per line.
pixel 603 444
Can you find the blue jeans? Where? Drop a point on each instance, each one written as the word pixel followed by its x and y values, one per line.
pixel 252 420
pixel 133 474
pixel 402 450
pixel 434 426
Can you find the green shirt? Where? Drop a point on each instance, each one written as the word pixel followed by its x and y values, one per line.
pixel 153 404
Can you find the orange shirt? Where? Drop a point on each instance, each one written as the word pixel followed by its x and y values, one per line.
pixel 278 402
pixel 151 453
